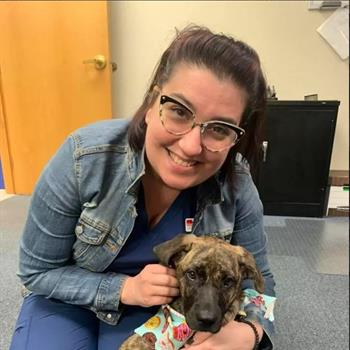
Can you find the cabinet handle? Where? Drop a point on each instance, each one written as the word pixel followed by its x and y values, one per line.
pixel 265 144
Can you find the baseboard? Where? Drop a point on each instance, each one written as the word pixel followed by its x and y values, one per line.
pixel 339 206
pixel 339 177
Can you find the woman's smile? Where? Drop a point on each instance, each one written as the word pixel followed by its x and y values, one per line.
pixel 181 161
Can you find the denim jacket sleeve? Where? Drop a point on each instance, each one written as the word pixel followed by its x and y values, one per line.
pixel 46 266
pixel 249 233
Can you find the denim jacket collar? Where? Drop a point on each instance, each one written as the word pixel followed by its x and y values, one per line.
pixel 137 168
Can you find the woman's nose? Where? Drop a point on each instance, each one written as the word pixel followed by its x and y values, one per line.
pixel 191 143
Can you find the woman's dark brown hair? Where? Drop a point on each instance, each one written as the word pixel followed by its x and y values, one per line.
pixel 228 59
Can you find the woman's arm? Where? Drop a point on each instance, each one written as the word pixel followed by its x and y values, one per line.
pixel 233 336
pixel 249 233
pixel 46 264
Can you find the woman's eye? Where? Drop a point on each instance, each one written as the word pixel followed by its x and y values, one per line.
pixel 221 130
pixel 191 275
pixel 180 111
pixel 175 111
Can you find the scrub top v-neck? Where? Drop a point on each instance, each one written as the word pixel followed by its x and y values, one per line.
pixel 138 249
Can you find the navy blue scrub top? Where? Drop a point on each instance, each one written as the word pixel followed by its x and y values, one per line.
pixel 138 250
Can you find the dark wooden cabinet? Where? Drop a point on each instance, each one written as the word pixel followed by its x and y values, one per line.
pixel 297 148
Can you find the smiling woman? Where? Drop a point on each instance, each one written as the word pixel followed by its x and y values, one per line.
pixel 116 189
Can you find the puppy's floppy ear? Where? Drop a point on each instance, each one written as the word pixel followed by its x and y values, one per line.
pixel 250 270
pixel 171 251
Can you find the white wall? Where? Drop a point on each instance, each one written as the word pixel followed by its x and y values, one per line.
pixel 295 58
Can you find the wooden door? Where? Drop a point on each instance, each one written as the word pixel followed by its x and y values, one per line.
pixel 46 89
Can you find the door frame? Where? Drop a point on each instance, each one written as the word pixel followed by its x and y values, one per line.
pixel 5 152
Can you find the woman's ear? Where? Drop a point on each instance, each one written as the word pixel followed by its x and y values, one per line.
pixel 156 89
pixel 152 97
pixel 148 115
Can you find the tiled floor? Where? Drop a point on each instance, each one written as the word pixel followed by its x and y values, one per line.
pixel 322 243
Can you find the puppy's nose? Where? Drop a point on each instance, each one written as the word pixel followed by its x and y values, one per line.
pixel 206 318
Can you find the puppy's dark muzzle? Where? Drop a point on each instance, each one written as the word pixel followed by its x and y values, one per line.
pixel 205 314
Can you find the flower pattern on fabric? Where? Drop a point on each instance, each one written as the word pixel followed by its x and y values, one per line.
pixel 167 330
pixel 253 299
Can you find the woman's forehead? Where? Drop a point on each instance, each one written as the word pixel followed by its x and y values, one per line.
pixel 203 92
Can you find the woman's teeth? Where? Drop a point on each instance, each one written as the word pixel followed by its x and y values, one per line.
pixel 180 161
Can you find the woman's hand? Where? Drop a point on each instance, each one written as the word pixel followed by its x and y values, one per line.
pixel 234 336
pixel 154 285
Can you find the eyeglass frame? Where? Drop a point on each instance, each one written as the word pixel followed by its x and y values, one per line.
pixel 239 131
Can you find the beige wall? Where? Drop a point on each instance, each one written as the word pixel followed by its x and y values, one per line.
pixel 296 59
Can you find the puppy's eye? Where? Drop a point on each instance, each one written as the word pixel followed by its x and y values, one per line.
pixel 191 275
pixel 228 282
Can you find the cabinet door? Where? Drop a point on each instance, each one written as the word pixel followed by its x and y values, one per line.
pixel 294 172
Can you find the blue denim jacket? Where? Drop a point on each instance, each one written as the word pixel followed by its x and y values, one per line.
pixel 83 210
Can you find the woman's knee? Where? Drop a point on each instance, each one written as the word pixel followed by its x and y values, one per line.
pixel 50 324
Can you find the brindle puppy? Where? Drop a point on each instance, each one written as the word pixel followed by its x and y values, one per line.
pixel 210 272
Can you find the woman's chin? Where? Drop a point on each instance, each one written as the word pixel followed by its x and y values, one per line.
pixel 179 184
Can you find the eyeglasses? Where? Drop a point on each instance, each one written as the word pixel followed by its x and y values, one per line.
pixel 179 120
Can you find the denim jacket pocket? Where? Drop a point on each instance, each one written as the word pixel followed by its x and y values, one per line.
pixel 90 235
